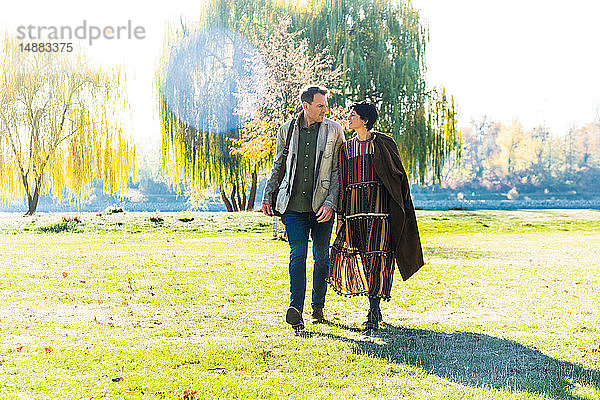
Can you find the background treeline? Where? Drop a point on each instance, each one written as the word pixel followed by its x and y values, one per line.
pixel 499 157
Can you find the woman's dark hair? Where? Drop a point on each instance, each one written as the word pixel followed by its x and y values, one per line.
pixel 366 111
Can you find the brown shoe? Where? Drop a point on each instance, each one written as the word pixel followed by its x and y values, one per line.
pixel 317 315
pixel 294 318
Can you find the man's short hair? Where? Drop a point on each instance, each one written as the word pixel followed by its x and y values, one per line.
pixel 307 93
pixel 366 111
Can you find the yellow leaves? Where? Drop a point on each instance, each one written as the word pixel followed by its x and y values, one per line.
pixel 60 125
pixel 257 141
pixel 510 138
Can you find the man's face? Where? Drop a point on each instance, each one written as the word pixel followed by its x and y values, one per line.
pixel 315 112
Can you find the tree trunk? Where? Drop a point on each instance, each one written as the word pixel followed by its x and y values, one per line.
pixel 237 199
pixel 33 201
pixel 225 200
pixel 242 198
pixel 252 196
pixel 233 203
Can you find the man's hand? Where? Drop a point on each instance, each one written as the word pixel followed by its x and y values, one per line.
pixel 324 214
pixel 266 209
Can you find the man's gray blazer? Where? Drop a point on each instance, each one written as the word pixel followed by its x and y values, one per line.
pixel 326 186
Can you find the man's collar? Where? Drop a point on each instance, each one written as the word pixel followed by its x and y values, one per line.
pixel 301 121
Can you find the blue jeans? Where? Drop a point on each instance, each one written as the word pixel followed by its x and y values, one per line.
pixel 298 225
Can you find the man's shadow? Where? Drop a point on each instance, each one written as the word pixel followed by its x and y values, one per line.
pixel 474 359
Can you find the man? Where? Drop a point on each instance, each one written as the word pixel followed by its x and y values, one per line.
pixel 307 196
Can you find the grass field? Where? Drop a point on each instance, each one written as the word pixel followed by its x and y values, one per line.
pixel 147 306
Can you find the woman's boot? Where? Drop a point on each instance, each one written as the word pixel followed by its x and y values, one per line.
pixel 374 315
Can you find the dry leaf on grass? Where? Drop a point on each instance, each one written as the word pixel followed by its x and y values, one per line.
pixel 188 394
pixel 265 353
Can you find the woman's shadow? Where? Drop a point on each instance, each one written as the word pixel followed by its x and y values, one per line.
pixel 475 360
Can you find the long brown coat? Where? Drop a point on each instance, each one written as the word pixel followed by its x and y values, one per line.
pixel 405 240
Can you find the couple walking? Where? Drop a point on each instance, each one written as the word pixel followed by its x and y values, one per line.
pixel 317 174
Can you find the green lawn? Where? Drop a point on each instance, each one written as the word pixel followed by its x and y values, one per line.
pixel 122 307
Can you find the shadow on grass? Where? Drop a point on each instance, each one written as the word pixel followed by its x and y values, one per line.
pixel 461 254
pixel 475 360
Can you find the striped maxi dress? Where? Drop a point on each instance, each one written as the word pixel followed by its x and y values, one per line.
pixel 361 261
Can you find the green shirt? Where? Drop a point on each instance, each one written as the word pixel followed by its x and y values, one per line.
pixel 302 188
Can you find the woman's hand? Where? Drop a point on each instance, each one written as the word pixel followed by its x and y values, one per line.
pixel 338 228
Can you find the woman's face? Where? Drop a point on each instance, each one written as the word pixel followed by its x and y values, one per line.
pixel 354 120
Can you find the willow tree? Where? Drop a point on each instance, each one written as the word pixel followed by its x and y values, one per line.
pixel 381 47
pixel 202 88
pixel 289 66
pixel 59 127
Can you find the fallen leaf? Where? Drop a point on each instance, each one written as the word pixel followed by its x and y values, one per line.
pixel 48 349
pixel 188 394
pixel 64 274
pixel 117 379
pixel 265 353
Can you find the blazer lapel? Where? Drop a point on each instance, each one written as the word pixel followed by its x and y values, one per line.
pixel 321 143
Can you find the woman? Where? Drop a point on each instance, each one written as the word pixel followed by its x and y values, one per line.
pixel 376 219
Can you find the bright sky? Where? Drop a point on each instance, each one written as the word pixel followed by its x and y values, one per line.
pixel 139 57
pixel 535 60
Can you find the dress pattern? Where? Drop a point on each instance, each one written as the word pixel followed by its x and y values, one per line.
pixel 361 261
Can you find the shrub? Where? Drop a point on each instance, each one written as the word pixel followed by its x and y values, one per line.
pixel 61 226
